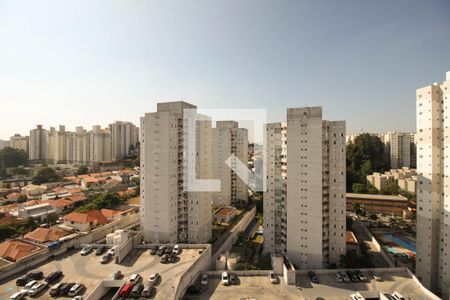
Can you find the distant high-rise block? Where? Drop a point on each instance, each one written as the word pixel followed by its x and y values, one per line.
pixel 124 136
pixel 38 143
pixel 304 204
pixel 169 213
pixel 18 141
pixel 433 187
pixel 229 139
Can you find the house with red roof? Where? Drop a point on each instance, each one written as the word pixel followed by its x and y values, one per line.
pixel 85 221
pixel 14 250
pixel 46 235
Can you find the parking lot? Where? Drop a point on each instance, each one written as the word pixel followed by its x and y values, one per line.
pixel 254 287
pixel 88 271
pixel 328 288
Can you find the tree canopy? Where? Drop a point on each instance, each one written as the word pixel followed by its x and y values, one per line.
pixel 364 156
pixel 82 170
pixel 12 158
pixel 108 200
pixel 46 174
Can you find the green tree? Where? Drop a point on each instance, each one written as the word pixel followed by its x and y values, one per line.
pixel 52 218
pixel 12 158
pixel 359 188
pixel 19 171
pixel 82 170
pixel 136 181
pixel 22 198
pixel 391 188
pixel 6 232
pixel 364 156
pixel 108 200
pixel 46 174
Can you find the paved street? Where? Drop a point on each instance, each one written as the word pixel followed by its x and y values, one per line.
pixel 375 256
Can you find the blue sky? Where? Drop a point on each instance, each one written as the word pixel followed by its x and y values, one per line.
pixel 93 62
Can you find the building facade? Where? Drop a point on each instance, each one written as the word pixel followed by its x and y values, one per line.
pixel 433 192
pixel 229 139
pixel 304 205
pixel 18 141
pixel 400 150
pixel 124 135
pixel 38 143
pixel 275 231
pixel 169 213
pixel 3 144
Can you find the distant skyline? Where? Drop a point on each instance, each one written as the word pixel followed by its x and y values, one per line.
pixel 82 63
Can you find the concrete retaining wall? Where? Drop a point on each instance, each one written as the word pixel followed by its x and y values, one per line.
pixel 123 250
pixel 190 275
pixel 18 267
pixel 378 246
pixel 103 287
pixel 228 243
pixel 99 233
pixel 422 288
pixel 239 273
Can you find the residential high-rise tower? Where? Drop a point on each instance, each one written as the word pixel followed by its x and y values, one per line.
pixel 433 187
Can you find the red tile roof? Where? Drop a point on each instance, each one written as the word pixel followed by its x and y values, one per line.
pixel 225 211
pixel 59 203
pixel 77 197
pixel 13 196
pixel 94 216
pixel 14 250
pixel 350 238
pixel 43 235
pixel 110 213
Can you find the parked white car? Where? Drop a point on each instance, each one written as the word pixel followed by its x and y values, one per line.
pixel 338 277
pixel 116 275
pixel 86 250
pixel 76 289
pixel 398 296
pixel 112 251
pixel 204 279
pixel 135 278
pixel 176 249
pixel 17 296
pixel 37 288
pixel 356 297
pixel 28 286
pixel 273 277
pixel 153 278
pixel 225 278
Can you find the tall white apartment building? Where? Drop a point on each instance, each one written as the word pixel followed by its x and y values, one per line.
pixel 123 136
pixel 38 143
pixel 98 145
pixel 168 212
pixel 275 230
pixel 3 144
pixel 304 205
pixel 57 144
pixel 18 141
pixel 433 191
pixel 400 150
pixel 229 139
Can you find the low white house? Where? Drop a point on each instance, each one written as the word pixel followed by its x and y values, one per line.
pixel 38 211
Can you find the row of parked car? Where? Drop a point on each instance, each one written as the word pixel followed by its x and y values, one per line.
pixel 350 275
pixel 168 254
pixel 393 296
pixel 135 287
pixel 31 286
pixel 100 250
